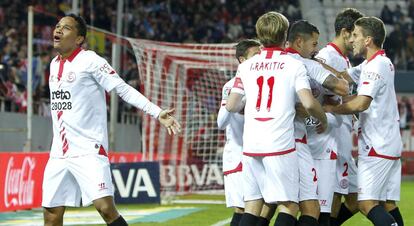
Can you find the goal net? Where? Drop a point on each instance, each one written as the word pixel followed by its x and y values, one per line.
pixel 189 78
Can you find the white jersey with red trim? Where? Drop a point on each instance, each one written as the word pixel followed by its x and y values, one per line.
pixel 234 123
pixel 380 130
pixel 78 104
pixel 316 72
pixel 270 81
pixel 332 56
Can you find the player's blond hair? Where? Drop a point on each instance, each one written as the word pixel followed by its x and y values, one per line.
pixel 271 29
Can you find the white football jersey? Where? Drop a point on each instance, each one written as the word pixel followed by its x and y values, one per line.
pixel 233 149
pixel 316 72
pixel 380 130
pixel 78 104
pixel 332 56
pixel 269 81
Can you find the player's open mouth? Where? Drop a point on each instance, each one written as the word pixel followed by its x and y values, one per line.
pixel 56 38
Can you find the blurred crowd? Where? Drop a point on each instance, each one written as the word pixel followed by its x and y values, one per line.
pixel 185 21
pixel 216 21
pixel 400 41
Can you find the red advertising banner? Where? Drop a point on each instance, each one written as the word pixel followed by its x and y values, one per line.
pixel 21 180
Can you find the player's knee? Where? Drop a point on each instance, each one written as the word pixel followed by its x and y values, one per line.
pixel 310 208
pixel 366 206
pixel 352 206
pixel 107 211
pixel 290 208
pixel 52 218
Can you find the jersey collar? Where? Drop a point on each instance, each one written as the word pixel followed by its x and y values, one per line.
pixel 72 56
pixel 291 50
pixel 270 50
pixel 339 51
pixel 379 52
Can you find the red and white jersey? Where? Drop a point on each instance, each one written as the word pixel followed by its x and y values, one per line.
pixel 316 72
pixel 332 56
pixel 269 81
pixel 234 124
pixel 78 104
pixel 379 123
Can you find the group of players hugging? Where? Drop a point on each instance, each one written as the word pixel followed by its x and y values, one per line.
pixel 289 113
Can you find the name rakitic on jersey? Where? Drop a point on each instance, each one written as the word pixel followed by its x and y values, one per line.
pixel 267 66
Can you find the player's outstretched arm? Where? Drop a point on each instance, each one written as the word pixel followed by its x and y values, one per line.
pixel 313 107
pixel 356 105
pixel 168 120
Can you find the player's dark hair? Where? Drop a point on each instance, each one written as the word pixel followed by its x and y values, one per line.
pixel 244 45
pixel 374 27
pixel 346 19
pixel 301 28
pixel 80 25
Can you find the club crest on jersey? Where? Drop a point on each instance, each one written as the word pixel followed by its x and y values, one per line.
pixel 71 76
pixel 344 183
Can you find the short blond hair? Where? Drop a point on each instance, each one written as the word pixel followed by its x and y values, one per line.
pixel 271 29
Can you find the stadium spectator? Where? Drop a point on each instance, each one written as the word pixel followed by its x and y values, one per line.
pixel 387 15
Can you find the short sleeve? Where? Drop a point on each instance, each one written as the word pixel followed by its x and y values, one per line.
pixel 104 74
pixel 301 79
pixel 316 71
pixel 238 86
pixel 371 81
pixel 355 72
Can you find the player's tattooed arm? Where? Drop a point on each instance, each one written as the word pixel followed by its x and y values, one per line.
pixel 337 85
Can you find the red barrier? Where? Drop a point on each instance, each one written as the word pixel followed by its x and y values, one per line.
pixel 21 180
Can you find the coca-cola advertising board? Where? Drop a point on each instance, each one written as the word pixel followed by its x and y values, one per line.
pixel 21 180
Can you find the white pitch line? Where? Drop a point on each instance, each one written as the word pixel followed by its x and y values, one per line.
pixel 223 222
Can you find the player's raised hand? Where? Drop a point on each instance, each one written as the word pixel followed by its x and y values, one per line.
pixel 169 121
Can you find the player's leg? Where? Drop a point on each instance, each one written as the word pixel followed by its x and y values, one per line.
pixel 234 196
pixel 53 216
pixel 59 190
pixel 393 193
pixel 237 215
pixel 373 174
pixel 392 208
pixel 96 186
pixel 282 186
pixel 268 210
pixel 326 169
pixel 253 178
pixel 308 197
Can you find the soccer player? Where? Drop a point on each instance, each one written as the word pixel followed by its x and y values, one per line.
pixel 303 41
pixel 78 167
pixel 335 55
pixel 270 82
pixel 379 143
pixel 233 123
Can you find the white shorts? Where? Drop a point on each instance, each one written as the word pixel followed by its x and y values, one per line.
pixel 346 169
pixel 273 178
pixel 68 180
pixel 325 169
pixel 233 190
pixel 378 178
pixel 307 174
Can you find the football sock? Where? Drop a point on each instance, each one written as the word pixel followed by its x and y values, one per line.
pixel 120 221
pixel 397 216
pixel 284 219
pixel 324 219
pixel 380 217
pixel 235 220
pixel 248 220
pixel 263 221
pixel 305 220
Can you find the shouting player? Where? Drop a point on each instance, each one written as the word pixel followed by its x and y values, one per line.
pixel 335 55
pixel 303 41
pixel 78 167
pixel 270 82
pixel 233 123
pixel 379 143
